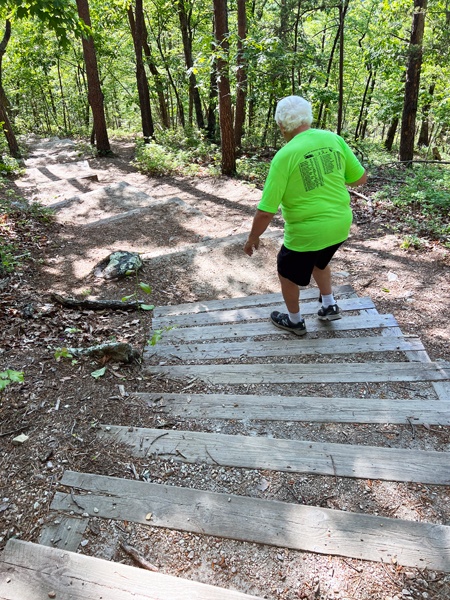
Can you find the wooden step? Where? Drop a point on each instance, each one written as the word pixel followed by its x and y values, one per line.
pixel 365 372
pixel 32 572
pixel 321 530
pixel 243 330
pixel 290 347
pixel 291 456
pixel 306 409
pixel 55 172
pixel 255 313
pixel 64 532
pixel 242 302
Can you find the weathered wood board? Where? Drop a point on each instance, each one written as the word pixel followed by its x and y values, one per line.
pixel 242 330
pixel 252 314
pixel 372 372
pixel 292 456
pixel 232 303
pixel 64 532
pixel 35 571
pixel 290 347
pixel 288 408
pixel 281 524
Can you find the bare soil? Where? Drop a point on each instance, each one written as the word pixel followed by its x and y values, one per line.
pixel 413 285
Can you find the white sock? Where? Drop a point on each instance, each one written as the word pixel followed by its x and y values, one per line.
pixel 295 318
pixel 328 300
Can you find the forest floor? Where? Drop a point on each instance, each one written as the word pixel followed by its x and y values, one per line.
pixel 60 405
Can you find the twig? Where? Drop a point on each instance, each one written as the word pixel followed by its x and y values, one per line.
pixel 389 575
pixel 13 431
pixel 73 427
pixel 75 501
pixel 412 427
pixel 58 402
pixel 178 452
pixel 137 557
pixel 334 467
pixel 350 565
pixel 135 473
pixel 407 162
pixel 360 196
pixel 213 459
pixel 292 494
pixel 154 440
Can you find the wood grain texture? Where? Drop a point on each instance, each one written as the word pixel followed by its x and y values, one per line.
pixel 294 408
pixel 35 570
pixel 243 330
pixel 292 456
pixel 233 303
pixel 268 522
pixel 291 347
pixel 252 314
pixel 64 532
pixel 306 373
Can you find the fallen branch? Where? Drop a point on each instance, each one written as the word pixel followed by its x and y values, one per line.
pixel 358 195
pixel 119 351
pixel 137 557
pixel 408 162
pixel 96 304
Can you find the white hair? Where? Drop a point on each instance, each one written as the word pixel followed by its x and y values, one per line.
pixel 292 112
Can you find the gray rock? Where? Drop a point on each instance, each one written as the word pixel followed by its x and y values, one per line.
pixel 118 265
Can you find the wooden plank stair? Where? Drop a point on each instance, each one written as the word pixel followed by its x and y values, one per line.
pixel 32 572
pixel 207 331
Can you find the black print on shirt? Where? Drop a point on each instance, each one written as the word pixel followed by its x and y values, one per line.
pixel 316 165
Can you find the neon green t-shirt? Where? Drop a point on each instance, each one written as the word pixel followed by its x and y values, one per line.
pixel 307 177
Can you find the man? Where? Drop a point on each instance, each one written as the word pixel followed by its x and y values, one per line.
pixel 307 177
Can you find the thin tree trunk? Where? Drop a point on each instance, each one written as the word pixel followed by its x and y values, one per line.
pixel 7 128
pixel 180 113
pixel 187 47
pixel 266 126
pixel 424 139
pixel 390 136
pixel 241 73
pixel 225 113
pixel 141 77
pixel 213 93
pixel 330 64
pixel 157 76
pixel 95 94
pixel 63 100
pixel 413 69
pixel 341 68
pixel 369 102
pixel 361 112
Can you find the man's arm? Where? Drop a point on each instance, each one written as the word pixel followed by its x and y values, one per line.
pixel 361 181
pixel 261 221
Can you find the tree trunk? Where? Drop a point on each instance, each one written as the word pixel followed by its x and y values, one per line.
pixel 413 69
pixel 141 76
pixel 213 93
pixel 330 63
pixel 157 76
pixel 95 94
pixel 391 134
pixel 341 68
pixel 7 128
pixel 369 101
pixel 180 113
pixel 225 113
pixel 361 112
pixel 424 139
pixel 187 47
pixel 241 74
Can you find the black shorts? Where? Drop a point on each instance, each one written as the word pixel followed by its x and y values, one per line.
pixel 298 266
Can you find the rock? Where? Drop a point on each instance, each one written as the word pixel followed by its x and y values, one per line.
pixel 118 265
pixel 84 543
pixel 119 351
pixel 20 439
pixel 52 594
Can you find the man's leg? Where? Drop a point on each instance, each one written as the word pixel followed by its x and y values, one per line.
pixel 323 279
pixel 291 294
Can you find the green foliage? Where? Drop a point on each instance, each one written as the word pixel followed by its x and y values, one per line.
pixel 62 353
pixel 158 334
pixel 98 373
pixel 9 376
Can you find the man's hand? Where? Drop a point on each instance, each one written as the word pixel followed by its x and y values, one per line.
pixel 250 246
pixel 261 221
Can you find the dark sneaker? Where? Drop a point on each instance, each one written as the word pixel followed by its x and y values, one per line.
pixel 329 314
pixel 282 321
